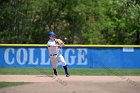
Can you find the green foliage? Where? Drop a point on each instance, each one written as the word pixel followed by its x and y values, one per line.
pixel 74 21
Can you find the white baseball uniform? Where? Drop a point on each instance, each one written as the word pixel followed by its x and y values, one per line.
pixel 55 54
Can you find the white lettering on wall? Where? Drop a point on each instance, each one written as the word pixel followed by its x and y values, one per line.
pixel 31 57
pixel 43 57
pixel 82 57
pixel 71 56
pixel 24 56
pixel 6 56
pixel 125 49
pixel 67 55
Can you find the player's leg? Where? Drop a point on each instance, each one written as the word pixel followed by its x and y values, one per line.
pixel 62 60
pixel 66 71
pixel 54 64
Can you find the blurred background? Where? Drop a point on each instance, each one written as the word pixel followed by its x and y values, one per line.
pixel 73 21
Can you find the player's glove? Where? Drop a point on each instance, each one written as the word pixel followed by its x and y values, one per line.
pixel 59 42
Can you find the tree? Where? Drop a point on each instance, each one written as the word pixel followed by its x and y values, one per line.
pixel 74 21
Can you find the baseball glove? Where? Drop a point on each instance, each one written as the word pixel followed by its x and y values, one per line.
pixel 59 42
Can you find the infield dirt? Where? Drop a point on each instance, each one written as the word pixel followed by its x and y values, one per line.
pixel 72 84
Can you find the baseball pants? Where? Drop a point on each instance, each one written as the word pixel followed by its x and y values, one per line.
pixel 55 59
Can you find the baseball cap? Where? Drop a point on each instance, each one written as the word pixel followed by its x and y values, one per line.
pixel 51 33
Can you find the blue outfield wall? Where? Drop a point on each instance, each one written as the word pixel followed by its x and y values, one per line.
pixel 76 56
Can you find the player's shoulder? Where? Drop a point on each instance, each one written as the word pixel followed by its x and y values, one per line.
pixel 50 40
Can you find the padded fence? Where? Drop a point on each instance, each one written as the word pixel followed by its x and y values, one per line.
pixel 77 56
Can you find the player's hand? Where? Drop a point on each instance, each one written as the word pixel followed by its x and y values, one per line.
pixel 59 41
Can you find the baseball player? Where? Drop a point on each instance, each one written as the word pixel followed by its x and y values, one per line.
pixel 54 47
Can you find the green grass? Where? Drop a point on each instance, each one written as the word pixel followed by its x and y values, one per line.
pixel 8 84
pixel 73 71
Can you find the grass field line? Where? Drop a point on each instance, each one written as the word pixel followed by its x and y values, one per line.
pixel 73 71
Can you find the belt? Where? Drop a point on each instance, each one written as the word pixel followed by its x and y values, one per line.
pixel 53 54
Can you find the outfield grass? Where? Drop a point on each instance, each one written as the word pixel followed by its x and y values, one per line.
pixel 8 84
pixel 73 71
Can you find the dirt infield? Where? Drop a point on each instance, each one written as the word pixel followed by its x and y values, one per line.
pixel 72 84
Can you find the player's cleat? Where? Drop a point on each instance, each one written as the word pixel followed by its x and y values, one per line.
pixel 66 71
pixel 67 75
pixel 55 72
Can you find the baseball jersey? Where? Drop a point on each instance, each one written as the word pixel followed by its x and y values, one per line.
pixel 53 47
